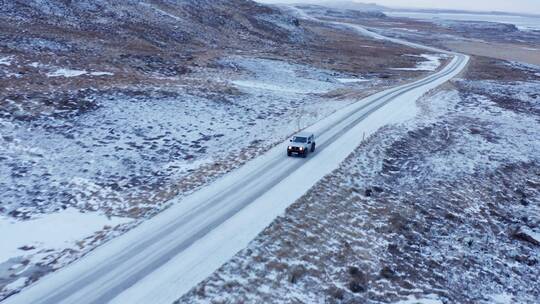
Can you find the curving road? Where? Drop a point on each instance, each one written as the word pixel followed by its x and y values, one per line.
pixel 166 256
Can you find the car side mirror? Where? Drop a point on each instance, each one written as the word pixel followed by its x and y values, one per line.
pixel 290 140
pixel 309 142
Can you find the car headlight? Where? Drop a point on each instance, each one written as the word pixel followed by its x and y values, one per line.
pixel 289 148
pixel 301 148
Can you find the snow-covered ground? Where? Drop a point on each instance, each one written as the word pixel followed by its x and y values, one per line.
pixel 351 80
pixel 5 61
pixel 168 118
pixel 45 233
pixel 66 73
pixel 130 155
pixel 522 22
pixel 122 144
pixel 281 78
pixel 217 216
pixel 47 242
pixel 430 63
pixel 74 73
pixel 444 208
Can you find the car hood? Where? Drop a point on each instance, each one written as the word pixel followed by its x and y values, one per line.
pixel 297 145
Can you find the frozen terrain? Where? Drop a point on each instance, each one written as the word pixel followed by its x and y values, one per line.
pixel 46 242
pixel 522 22
pixel 185 243
pixel 113 126
pixel 258 83
pixel 129 110
pixel 443 208
pixel 137 149
pixel 431 63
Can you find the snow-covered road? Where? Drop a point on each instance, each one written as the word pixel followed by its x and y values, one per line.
pixel 166 256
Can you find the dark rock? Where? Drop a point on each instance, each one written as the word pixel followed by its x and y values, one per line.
pixel 393 249
pixel 475 131
pixel 296 273
pixel 336 293
pixel 523 235
pixel 378 189
pixel 368 192
pixel 398 223
pixel 354 271
pixel 388 273
pixel 450 216
pixel 524 259
pixel 356 287
pixel 358 275
pixel 27 248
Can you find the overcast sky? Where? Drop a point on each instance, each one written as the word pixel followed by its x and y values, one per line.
pixel 524 6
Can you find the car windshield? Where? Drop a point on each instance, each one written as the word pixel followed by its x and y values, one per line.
pixel 300 139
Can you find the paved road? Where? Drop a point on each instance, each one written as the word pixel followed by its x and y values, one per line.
pixel 168 250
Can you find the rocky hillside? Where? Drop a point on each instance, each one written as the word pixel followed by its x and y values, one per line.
pixel 127 42
pixel 124 33
pixel 162 24
pixel 335 10
pixel 117 109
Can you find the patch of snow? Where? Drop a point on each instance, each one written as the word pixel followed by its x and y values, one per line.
pixel 6 60
pixel 521 22
pixel 432 63
pixel 15 75
pixel 502 298
pixel 67 73
pixel 299 13
pixel 351 80
pixel 266 86
pixel 17 284
pixel 405 29
pixel 481 152
pixel 534 235
pixel 160 11
pixel 101 74
pixel 37 65
pixel 523 66
pixel 428 299
pixel 278 76
pixel 58 231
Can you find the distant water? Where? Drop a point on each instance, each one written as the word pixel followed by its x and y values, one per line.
pixel 521 22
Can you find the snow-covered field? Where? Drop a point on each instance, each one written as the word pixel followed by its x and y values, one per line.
pixel 430 63
pixel 47 242
pixel 174 108
pixel 443 208
pixel 129 155
pixel 522 22
pixel 5 61
pixel 57 231
pixel 75 73
pixel 217 216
